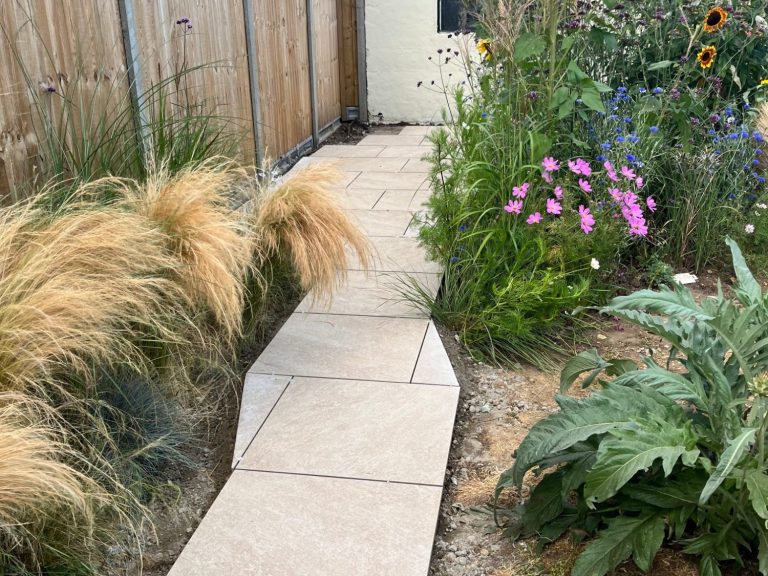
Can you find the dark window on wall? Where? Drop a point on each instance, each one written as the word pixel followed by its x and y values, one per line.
pixel 456 15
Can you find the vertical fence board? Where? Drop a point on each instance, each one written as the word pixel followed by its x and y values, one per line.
pixel 75 46
pixel 348 53
pixel 72 47
pixel 214 49
pixel 325 26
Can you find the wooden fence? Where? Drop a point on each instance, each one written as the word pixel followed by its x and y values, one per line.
pixel 108 48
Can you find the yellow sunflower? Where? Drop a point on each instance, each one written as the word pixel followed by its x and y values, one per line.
pixel 706 57
pixel 715 19
pixel 764 82
pixel 484 47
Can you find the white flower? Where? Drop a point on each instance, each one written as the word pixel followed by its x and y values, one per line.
pixel 762 25
pixel 762 206
pixel 595 264
pixel 749 228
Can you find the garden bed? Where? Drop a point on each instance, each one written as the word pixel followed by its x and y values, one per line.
pixel 498 406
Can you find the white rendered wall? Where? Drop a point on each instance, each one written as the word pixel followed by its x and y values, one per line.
pixel 400 35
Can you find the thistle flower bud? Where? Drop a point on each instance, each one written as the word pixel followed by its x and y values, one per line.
pixel 759 386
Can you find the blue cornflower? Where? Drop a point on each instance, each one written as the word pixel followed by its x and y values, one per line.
pixel 653 129
pixel 715 140
pixel 717 152
pixel 711 132
pixel 619 130
pixel 633 139
pixel 484 115
pixel 620 139
pixel 462 228
pixel 747 106
pixel 628 120
pixel 454 258
pixel 658 90
pixel 761 179
pixel 621 89
pixel 744 134
pixel 642 90
pixel 601 158
pixel 613 117
pixel 606 145
pixel 733 136
pixel 758 136
pixel 758 151
pixel 731 196
pixel 728 111
pixel 755 162
pixel 631 157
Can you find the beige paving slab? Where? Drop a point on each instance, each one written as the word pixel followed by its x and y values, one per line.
pixel 391 140
pixel 419 200
pixel 389 180
pixel 348 151
pixel 397 255
pixel 418 130
pixel 355 347
pixel 372 164
pixel 409 151
pixel 359 198
pixel 417 165
pixel 265 524
pixel 434 366
pixel 395 200
pixel 416 223
pixel 260 394
pixel 375 294
pixel 382 222
pixel 397 432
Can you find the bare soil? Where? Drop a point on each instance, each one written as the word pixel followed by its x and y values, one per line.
pixel 497 408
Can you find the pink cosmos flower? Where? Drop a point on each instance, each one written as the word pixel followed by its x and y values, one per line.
pixel 534 218
pixel 559 192
pixel 553 206
pixel 550 164
pixel 514 206
pixel 628 173
pixel 638 227
pixel 616 194
pixel 520 191
pixel 612 176
pixel 639 182
pixel 629 198
pixel 608 166
pixel 585 185
pixel 587 220
pixel 547 177
pixel 651 203
pixel 579 166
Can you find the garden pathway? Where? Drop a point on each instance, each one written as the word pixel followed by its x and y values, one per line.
pixel 347 415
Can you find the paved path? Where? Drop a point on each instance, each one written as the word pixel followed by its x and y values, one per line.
pixel 347 415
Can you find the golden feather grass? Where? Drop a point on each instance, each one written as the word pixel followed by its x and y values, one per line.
pixel 303 218
pixel 204 231
pixel 75 288
pixel 38 489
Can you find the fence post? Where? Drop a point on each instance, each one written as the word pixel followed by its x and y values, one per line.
pixel 253 75
pixel 135 77
pixel 362 67
pixel 312 74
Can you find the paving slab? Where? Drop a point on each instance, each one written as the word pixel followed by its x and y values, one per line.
pixel 407 151
pixel 354 347
pixel 375 294
pixel 389 180
pixel 387 431
pixel 397 255
pixel 264 524
pixel 260 394
pixel 382 223
pixel 433 365
pixel 416 165
pixel 395 200
pixel 419 200
pixel 391 140
pixel 418 130
pixel 372 164
pixel 348 151
pixel 360 198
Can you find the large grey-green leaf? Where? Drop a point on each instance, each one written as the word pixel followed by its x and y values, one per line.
pixel 626 452
pixel 757 484
pixel 679 302
pixel 731 456
pixel 671 384
pixel 762 553
pixel 586 361
pixel 747 284
pixel 624 537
